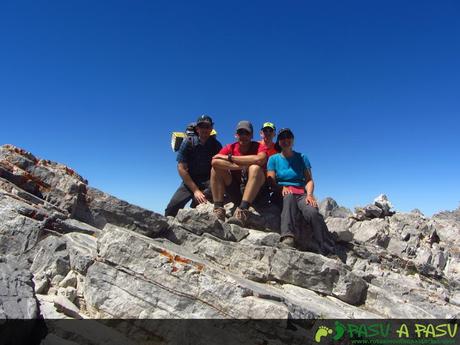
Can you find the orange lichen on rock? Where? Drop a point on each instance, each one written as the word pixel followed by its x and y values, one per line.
pixel 25 175
pixel 172 258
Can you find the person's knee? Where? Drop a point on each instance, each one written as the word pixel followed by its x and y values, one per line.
pixel 310 213
pixel 255 169
pixel 256 172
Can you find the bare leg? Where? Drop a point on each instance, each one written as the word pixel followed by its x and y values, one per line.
pixel 219 179
pixel 256 179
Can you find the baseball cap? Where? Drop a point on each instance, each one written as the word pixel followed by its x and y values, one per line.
pixel 244 125
pixel 204 119
pixel 284 133
pixel 268 125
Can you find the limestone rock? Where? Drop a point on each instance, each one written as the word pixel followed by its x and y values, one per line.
pixel 101 208
pixel 261 238
pixel 167 281
pixel 17 297
pixel 328 207
pixel 52 258
pixel 381 208
pixel 384 204
pixel 53 182
pixel 372 231
pixel 341 227
pixel 20 227
pixel 72 251
pixel 64 305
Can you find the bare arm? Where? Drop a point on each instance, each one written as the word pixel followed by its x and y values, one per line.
pixel 258 159
pixel 271 178
pixel 224 164
pixel 221 161
pixel 309 188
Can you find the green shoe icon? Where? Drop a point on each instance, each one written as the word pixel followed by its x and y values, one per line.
pixel 322 331
pixel 339 331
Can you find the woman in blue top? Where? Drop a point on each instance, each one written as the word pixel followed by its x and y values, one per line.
pixel 289 173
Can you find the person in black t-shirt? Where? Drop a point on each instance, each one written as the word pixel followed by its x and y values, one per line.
pixel 194 166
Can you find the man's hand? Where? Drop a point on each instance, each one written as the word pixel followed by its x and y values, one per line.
pixel 311 201
pixel 220 156
pixel 285 191
pixel 200 197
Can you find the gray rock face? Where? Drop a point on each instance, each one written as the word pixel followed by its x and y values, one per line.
pixel 381 208
pixel 286 266
pixel 17 297
pixel 101 208
pixel 21 225
pixel 329 208
pixel 53 182
pixel 169 282
pixel 71 251
pixel 373 231
pixel 341 227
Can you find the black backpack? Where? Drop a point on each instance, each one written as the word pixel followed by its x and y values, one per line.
pixel 178 137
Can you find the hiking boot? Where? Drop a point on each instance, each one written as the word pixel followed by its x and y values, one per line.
pixel 219 212
pixel 240 217
pixel 288 241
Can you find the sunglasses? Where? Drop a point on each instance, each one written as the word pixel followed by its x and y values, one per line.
pixel 243 132
pixel 286 136
pixel 203 126
pixel 267 130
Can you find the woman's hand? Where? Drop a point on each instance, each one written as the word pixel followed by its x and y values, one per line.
pixel 285 191
pixel 310 199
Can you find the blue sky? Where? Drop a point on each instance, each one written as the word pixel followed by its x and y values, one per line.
pixel 370 89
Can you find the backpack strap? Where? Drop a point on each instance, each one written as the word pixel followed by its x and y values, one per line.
pixel 191 143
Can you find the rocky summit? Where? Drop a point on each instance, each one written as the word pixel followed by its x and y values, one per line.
pixel 70 251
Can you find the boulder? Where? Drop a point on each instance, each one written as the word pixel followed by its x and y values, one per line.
pixel 51 181
pixel 100 208
pixel 372 231
pixel 341 227
pixel 168 281
pixel 21 225
pixel 328 207
pixel 17 297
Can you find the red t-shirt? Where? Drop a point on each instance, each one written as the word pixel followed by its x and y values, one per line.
pixel 234 149
pixel 270 150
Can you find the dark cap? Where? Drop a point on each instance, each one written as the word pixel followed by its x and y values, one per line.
pixel 284 133
pixel 244 125
pixel 204 119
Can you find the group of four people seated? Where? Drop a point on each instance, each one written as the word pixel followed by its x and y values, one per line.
pixel 248 172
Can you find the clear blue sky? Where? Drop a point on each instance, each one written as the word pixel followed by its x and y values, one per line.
pixel 371 89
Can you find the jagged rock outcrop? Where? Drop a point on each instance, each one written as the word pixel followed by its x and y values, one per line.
pixel 381 208
pixel 72 251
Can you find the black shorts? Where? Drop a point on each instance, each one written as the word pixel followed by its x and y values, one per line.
pixel 234 192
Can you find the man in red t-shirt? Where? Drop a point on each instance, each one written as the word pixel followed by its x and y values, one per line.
pixel 231 166
pixel 267 133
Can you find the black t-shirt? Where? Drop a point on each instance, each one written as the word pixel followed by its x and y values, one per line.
pixel 198 156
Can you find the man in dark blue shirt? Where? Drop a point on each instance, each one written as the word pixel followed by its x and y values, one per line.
pixel 194 166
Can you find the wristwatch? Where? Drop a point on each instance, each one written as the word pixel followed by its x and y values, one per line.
pixel 229 157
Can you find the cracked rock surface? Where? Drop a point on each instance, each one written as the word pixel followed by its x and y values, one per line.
pixel 70 251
